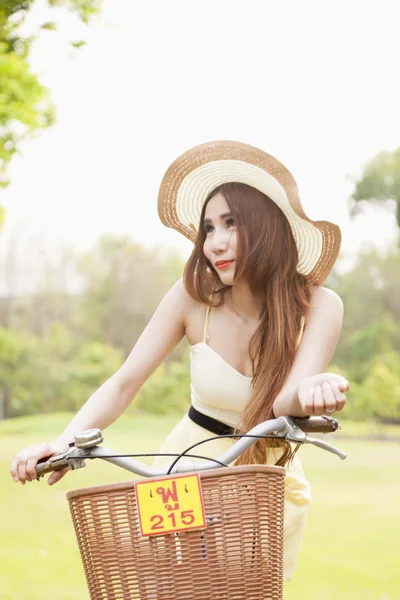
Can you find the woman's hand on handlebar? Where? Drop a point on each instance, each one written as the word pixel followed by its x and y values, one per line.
pixel 23 467
pixel 322 394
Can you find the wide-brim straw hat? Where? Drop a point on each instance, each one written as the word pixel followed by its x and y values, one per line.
pixel 196 173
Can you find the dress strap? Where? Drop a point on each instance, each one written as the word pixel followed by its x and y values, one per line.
pixel 207 319
pixel 300 336
pixel 302 323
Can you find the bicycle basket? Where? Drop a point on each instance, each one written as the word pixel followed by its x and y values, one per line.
pixel 239 555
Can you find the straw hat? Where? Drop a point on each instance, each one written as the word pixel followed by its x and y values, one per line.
pixel 197 172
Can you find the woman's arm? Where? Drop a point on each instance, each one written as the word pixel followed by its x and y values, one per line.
pixel 161 336
pixel 308 389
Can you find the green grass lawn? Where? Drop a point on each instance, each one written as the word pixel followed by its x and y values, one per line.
pixel 351 548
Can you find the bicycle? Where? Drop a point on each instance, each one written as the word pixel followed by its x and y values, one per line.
pixel 202 530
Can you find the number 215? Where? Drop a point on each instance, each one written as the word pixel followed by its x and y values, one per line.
pixel 186 517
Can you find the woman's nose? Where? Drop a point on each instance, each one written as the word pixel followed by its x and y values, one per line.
pixel 220 241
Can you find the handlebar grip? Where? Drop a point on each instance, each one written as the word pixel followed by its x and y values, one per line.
pixel 43 468
pixel 48 465
pixel 323 424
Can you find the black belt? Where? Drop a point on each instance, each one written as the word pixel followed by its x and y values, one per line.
pixel 209 423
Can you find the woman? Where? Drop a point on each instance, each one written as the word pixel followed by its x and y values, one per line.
pixel 262 331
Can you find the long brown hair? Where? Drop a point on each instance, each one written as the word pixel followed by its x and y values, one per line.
pixel 267 259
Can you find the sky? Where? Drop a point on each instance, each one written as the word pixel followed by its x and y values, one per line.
pixel 310 82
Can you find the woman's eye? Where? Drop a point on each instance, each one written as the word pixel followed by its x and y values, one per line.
pixel 208 229
pixel 230 222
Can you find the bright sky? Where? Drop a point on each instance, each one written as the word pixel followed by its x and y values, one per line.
pixel 310 82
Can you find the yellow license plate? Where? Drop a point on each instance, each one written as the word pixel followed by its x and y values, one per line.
pixel 170 505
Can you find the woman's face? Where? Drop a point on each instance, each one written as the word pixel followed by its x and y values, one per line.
pixel 220 243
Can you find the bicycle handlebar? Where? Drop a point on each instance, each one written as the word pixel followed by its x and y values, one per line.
pixel 286 428
pixel 323 424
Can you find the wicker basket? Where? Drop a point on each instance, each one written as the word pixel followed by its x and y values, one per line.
pixel 238 556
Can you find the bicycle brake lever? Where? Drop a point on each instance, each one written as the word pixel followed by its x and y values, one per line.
pixel 325 446
pixel 55 463
pixel 61 461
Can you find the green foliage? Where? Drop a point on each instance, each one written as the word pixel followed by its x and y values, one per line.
pixel 15 350
pixel 375 339
pixel 368 352
pixel 58 372
pixel 79 44
pixel 380 183
pixel 54 373
pixel 84 8
pixel 76 342
pixel 370 293
pixel 25 104
pixel 382 386
pixel 377 395
pixel 69 371
pixel 123 283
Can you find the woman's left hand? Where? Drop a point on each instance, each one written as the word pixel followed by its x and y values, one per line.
pixel 322 394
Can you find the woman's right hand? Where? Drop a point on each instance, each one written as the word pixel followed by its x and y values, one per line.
pixel 322 394
pixel 23 467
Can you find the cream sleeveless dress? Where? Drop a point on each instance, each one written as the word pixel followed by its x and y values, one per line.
pixel 221 392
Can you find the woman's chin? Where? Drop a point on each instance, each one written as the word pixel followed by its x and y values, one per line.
pixel 227 278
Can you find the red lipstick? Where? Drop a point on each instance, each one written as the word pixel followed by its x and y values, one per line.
pixel 223 264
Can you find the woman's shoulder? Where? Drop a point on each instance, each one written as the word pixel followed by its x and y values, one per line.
pixel 179 294
pixel 326 301
pixel 193 311
pixel 325 295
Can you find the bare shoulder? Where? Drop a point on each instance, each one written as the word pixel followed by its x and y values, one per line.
pixel 193 311
pixel 182 301
pixel 325 303
pixel 179 293
pixel 322 296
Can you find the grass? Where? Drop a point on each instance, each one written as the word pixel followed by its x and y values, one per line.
pixel 350 550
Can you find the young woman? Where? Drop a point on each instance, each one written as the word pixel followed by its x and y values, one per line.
pixel 261 328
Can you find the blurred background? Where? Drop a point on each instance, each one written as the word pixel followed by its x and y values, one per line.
pixel 97 98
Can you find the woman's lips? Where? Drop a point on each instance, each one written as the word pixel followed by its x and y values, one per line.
pixel 223 264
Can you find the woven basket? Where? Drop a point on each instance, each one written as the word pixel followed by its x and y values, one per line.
pixel 238 556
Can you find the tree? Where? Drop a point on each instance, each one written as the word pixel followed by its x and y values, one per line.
pixel 14 349
pixel 370 290
pixel 368 353
pixel 380 184
pixel 377 396
pixel 25 104
pixel 123 283
pixel 56 372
